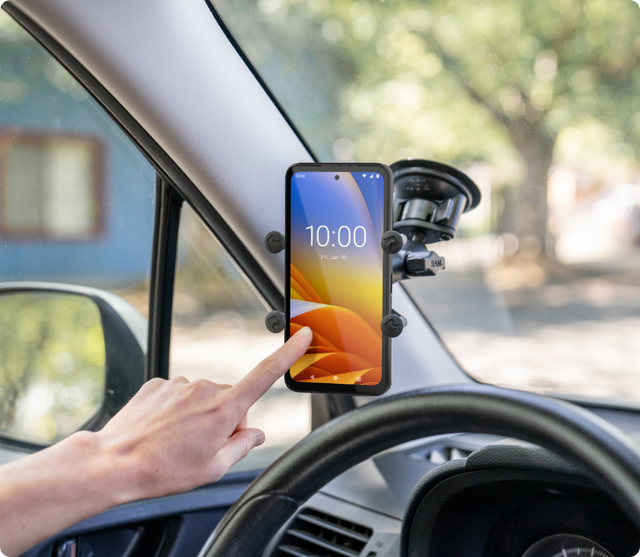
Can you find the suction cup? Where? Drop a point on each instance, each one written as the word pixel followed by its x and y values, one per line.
pixel 429 199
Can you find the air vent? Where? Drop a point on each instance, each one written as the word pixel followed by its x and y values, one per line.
pixel 317 534
pixel 442 454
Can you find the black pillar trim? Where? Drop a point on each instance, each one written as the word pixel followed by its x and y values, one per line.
pixel 163 274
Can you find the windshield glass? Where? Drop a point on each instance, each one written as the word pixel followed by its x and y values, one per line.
pixel 537 101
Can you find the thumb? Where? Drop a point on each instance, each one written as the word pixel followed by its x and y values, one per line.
pixel 235 449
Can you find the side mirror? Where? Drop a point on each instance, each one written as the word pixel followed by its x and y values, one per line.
pixel 70 358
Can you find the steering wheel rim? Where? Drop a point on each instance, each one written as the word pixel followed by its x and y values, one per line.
pixel 568 430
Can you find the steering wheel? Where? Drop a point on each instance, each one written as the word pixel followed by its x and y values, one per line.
pixel 572 432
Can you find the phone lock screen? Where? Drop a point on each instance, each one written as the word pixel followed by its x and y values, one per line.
pixel 338 277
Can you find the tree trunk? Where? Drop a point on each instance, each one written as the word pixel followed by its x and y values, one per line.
pixel 536 148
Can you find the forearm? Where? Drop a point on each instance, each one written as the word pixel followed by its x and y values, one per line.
pixel 46 492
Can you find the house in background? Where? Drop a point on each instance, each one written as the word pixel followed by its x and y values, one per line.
pixel 76 198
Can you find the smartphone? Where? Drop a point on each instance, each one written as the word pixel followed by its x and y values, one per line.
pixel 337 278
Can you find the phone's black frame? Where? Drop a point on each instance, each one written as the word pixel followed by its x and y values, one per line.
pixel 328 388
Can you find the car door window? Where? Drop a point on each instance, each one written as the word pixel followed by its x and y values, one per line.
pixel 218 331
pixel 76 197
pixel 76 207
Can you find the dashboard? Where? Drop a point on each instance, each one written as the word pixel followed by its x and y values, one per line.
pixel 449 495
pixel 463 495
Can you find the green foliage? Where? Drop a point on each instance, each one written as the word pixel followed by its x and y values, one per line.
pixel 463 65
pixel 52 364
pixel 459 81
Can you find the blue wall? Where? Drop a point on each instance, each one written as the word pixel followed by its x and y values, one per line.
pixel 121 254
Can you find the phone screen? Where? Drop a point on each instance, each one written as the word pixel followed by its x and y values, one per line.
pixel 337 274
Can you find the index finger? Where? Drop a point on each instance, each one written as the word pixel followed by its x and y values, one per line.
pixel 269 370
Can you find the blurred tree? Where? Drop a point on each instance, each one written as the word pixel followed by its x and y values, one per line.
pixel 529 68
pixel 457 80
pixel 20 347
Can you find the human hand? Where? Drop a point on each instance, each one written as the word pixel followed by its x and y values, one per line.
pixel 172 436
pixel 175 435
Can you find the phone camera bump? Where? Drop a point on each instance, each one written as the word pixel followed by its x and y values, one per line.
pixel 337 177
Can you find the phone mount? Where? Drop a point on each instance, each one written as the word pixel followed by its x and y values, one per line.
pixel 429 199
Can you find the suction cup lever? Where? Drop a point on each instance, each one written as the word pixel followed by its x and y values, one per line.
pixel 429 199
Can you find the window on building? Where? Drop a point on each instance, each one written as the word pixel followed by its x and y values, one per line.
pixel 51 185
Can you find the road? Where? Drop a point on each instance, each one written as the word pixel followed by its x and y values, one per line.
pixel 576 334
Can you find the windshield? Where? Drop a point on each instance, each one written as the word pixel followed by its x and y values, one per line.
pixel 537 101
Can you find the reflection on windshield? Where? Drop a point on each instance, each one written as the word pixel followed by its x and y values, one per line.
pixel 538 101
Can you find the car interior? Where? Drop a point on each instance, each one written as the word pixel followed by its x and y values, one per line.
pixel 143 150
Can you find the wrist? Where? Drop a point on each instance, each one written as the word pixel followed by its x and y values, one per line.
pixel 120 466
pixel 100 474
pixel 115 474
